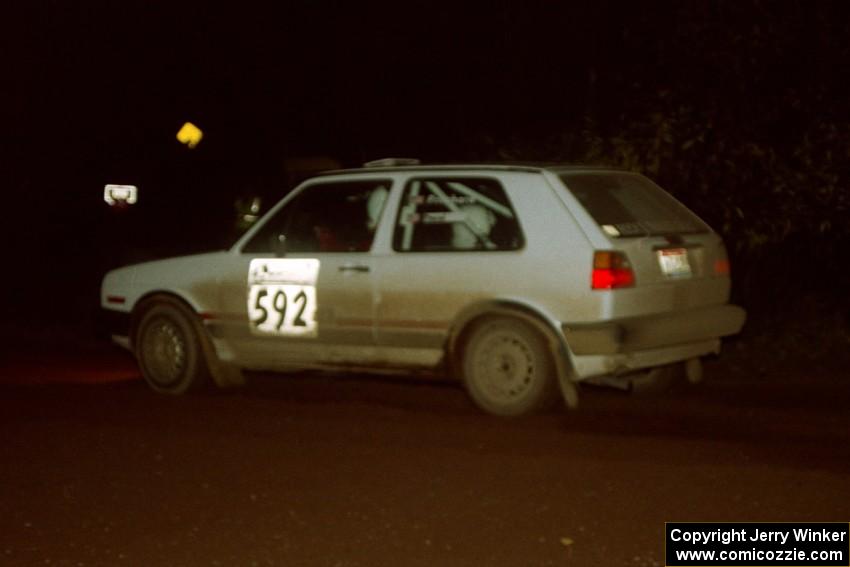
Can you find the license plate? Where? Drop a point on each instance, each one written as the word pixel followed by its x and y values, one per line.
pixel 674 262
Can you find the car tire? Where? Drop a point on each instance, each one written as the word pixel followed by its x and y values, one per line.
pixel 508 369
pixel 169 351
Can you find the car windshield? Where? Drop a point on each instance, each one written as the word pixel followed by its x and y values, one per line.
pixel 626 204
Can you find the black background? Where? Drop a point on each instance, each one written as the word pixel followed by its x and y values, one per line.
pixel 748 97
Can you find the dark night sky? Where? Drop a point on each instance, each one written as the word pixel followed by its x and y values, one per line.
pixel 99 90
pixel 102 87
pixel 94 92
pixel 311 77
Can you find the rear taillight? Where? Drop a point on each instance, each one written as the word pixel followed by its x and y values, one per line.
pixel 721 267
pixel 611 270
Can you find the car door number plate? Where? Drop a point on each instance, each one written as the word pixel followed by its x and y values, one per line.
pixel 282 297
pixel 674 262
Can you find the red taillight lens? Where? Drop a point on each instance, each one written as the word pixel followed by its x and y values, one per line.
pixel 611 270
pixel 721 267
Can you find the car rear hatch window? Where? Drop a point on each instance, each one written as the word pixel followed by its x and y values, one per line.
pixel 628 205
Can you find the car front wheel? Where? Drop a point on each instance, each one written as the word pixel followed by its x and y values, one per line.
pixel 507 368
pixel 168 349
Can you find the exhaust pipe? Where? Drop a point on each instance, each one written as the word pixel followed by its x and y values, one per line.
pixel 652 380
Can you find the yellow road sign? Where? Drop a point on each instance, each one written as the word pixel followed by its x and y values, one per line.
pixel 190 135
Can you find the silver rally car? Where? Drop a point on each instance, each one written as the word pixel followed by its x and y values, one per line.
pixel 520 281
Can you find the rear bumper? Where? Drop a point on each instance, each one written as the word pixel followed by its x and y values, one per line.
pixel 655 331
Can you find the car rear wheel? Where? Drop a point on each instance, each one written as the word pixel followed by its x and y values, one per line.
pixel 168 349
pixel 507 368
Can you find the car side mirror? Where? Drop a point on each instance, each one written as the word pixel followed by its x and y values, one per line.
pixel 279 245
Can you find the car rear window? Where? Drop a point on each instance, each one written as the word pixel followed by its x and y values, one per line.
pixel 626 204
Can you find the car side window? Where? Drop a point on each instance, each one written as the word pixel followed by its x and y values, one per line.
pixel 339 216
pixel 455 214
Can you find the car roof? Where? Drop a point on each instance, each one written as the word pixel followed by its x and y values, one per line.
pixel 527 167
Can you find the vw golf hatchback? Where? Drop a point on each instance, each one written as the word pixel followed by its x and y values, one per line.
pixel 519 281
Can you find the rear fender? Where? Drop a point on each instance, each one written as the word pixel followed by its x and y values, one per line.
pixel 467 318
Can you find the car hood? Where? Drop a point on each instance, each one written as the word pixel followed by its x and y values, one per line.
pixel 171 274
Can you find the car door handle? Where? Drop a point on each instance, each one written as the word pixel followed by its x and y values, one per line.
pixel 353 268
